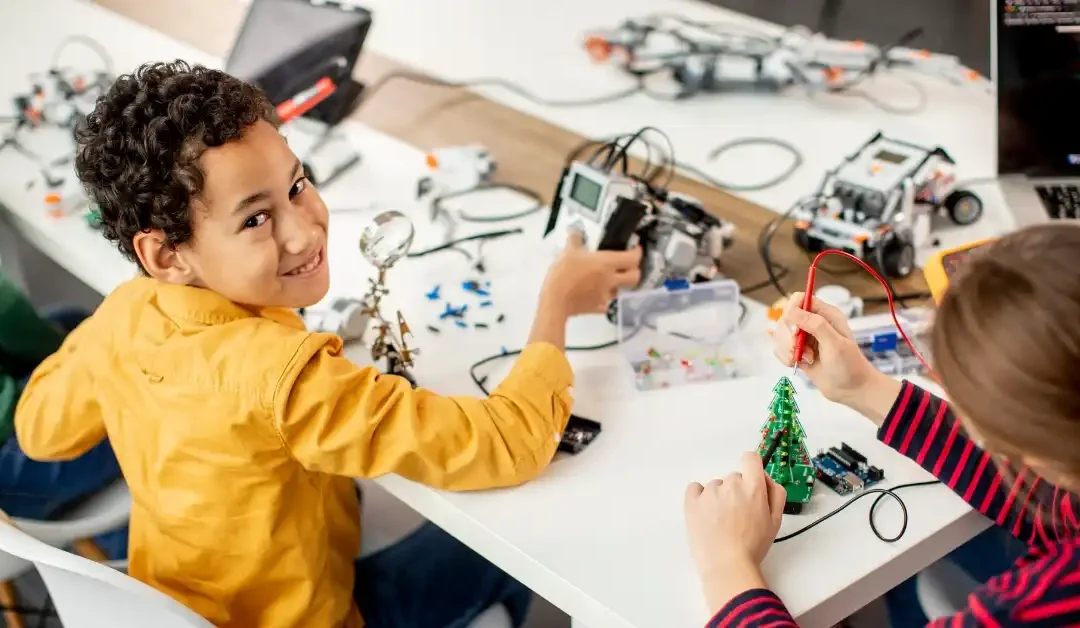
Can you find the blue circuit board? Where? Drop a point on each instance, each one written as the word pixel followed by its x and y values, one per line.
pixel 845 470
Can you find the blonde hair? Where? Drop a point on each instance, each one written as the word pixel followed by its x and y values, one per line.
pixel 1006 345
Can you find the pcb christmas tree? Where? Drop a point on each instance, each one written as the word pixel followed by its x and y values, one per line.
pixel 789 465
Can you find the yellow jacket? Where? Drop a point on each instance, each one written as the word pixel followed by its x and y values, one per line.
pixel 239 434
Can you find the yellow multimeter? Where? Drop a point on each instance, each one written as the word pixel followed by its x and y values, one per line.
pixel 941 268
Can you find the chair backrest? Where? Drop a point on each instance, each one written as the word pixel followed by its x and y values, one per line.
pixel 90 595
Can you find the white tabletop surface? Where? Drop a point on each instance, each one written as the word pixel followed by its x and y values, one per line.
pixel 601 534
pixel 539 47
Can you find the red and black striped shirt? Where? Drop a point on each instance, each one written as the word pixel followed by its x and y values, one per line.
pixel 1041 589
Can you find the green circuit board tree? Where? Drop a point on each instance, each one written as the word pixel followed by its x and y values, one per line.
pixel 789 465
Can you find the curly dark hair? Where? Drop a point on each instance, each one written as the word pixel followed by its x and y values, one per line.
pixel 138 150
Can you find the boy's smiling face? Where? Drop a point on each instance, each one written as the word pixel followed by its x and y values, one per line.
pixel 259 227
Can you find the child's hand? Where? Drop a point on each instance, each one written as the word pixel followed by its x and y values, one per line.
pixel 584 282
pixel 731 524
pixel 832 360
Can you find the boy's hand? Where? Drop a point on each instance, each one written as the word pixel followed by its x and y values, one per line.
pixel 832 359
pixel 731 524
pixel 584 282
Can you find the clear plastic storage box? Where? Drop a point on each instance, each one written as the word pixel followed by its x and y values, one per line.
pixel 682 333
pixel 885 348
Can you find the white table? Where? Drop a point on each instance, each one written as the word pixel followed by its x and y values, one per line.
pixel 539 46
pixel 600 535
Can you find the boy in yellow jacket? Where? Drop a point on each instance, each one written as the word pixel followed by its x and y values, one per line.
pixel 238 431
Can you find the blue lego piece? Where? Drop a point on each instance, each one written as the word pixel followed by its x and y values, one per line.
pixel 433 295
pixel 453 312
pixel 474 287
pixel 677 284
pixel 884 342
pixel 485 304
pixel 460 323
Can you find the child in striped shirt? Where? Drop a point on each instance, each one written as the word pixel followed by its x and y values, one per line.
pixel 1006 347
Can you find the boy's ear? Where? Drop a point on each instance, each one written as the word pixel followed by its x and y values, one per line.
pixel 161 261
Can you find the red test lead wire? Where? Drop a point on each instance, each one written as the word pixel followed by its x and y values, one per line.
pixel 807 303
pixel 808 299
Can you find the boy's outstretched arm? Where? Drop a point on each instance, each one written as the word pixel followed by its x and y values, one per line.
pixel 339 418
pixel 58 416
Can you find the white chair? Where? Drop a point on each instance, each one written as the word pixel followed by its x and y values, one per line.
pixel 107 510
pixel 386 520
pixel 87 594
pixel 942 589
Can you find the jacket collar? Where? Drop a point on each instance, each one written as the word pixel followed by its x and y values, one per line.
pixel 206 307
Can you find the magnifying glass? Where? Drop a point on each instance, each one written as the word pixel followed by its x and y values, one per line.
pixel 387 238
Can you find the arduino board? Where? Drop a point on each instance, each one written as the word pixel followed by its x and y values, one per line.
pixel 845 470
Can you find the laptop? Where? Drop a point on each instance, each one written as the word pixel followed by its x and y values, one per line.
pixel 1035 48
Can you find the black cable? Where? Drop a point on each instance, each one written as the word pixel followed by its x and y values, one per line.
pixel 714 154
pixel 480 381
pixel 422 79
pixel 88 42
pixel 453 244
pixel 881 493
pixel 779 272
pixel 922 102
pixel 537 202
pixel 775 270
pixel 618 147
pixel 609 144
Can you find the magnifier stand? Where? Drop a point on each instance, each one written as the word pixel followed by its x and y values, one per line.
pixel 388 345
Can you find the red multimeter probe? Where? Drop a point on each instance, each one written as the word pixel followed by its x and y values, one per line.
pixel 808 300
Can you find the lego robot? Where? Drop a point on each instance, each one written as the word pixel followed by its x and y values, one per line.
pixel 680 240
pixel 878 204
pixel 726 58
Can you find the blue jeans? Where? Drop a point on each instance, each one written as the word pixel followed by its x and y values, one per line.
pixel 990 554
pixel 431 580
pixel 44 490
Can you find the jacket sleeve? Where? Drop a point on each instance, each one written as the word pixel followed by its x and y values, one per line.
pixel 922 427
pixel 756 608
pixel 336 417
pixel 58 416
pixel 24 334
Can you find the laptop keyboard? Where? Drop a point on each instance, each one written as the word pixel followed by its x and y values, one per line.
pixel 1060 201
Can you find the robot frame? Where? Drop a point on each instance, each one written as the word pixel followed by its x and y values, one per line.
pixel 729 57
pixel 614 210
pixel 879 204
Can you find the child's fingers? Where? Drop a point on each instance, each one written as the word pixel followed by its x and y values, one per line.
pixel 816 325
pixel 834 316
pixel 783 344
pixel 777 499
pixel 794 314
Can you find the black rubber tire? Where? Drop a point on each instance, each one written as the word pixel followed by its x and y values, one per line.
pixel 898 258
pixel 802 240
pixel 613 312
pixel 792 508
pixel 964 208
